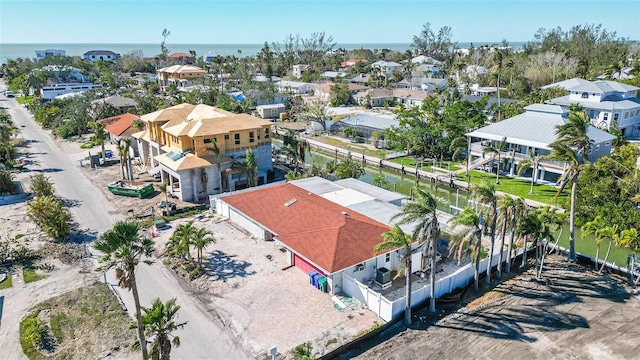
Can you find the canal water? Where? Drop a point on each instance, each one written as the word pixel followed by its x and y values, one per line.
pixel 449 199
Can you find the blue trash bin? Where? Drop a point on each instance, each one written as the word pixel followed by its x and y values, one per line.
pixel 317 284
pixel 311 277
pixel 315 280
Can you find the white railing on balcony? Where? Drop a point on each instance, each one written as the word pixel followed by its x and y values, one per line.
pixel 477 147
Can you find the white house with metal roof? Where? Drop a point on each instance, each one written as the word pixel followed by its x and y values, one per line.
pixel 366 124
pixel 609 104
pixel 534 130
pixel 386 67
pixel 96 55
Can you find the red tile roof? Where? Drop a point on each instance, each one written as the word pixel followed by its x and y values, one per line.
pixel 312 226
pixel 120 125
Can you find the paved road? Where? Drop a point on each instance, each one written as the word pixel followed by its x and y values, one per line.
pixel 203 337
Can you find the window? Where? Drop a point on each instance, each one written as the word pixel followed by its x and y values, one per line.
pixel 615 116
pixel 597 146
pixel 237 139
pixel 258 132
pixel 626 115
pixel 251 137
pixel 266 133
pixel 607 143
pixel 592 114
pixel 226 136
pixel 585 95
pixel 637 112
pixel 606 116
pixel 207 141
pixel 387 257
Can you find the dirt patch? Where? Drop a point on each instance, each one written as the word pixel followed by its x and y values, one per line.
pixel 571 312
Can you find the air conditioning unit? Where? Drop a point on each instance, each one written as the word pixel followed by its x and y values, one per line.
pixel 359 267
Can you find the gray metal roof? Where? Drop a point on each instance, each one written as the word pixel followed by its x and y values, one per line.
pixel 375 122
pixel 600 86
pixel 317 185
pixel 371 190
pixel 610 102
pixel 536 127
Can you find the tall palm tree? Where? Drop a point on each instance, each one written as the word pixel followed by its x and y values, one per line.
pixel 529 228
pixel 126 148
pixel 422 211
pixel 573 133
pixel 457 147
pixel 124 248
pixel 548 219
pixel 470 220
pixel 570 175
pixel 497 64
pixel 201 238
pixel 251 163
pixel 396 238
pixel 100 134
pixel 486 194
pixel 302 148
pixel 532 162
pixel 380 180
pixel 505 206
pixel 458 244
pixel 630 239
pixel 496 150
pixel 163 188
pixel 518 208
pixel 596 228
pixel 159 323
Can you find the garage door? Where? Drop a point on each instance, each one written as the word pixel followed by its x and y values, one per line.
pixel 303 265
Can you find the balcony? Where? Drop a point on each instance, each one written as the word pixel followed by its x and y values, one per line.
pixel 478 148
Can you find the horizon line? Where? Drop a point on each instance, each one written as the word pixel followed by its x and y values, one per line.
pixel 203 43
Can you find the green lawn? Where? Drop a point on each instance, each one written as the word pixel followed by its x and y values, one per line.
pixel 7 283
pixel 542 193
pixel 22 100
pixel 355 148
pixel 30 275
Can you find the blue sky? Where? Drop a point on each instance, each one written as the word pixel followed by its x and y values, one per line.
pixel 348 21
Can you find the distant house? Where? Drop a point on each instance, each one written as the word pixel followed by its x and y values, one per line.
pixel 608 104
pixel 209 56
pixel 300 69
pixel 181 58
pixel 365 124
pixel 123 104
pixel 380 97
pixel 386 67
pixel 271 111
pixel 478 90
pixel 180 75
pixel 41 54
pixel 122 126
pixel 534 130
pixel 361 79
pixel 352 62
pixel 332 75
pixel 473 71
pixel 96 55
pixel 429 85
pixel 55 90
pixel 421 59
pixel 323 91
pixel 294 87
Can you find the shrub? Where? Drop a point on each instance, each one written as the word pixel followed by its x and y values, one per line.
pixel 6 181
pixel 41 186
pixel 32 333
pixel 50 216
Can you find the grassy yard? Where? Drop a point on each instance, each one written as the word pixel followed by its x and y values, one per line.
pixel 29 274
pixel 427 165
pixel 517 187
pixel 23 100
pixel 7 283
pixel 355 148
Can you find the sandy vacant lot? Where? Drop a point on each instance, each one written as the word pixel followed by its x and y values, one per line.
pixel 572 313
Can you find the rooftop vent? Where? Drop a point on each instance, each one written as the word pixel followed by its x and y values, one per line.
pixel 290 202
pixel 345 213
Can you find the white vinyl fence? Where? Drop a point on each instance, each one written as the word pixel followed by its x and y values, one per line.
pixel 388 309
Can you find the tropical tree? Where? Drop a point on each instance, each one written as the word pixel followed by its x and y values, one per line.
pixel 497 64
pixel 302 147
pixel 163 188
pixel 486 194
pixel 100 133
pixel 573 133
pixel 422 212
pixel 505 209
pixel 179 244
pixel 124 248
pixel 519 207
pixel 41 185
pixel 596 227
pixel 122 153
pixel 7 130
pixel 532 162
pixel 251 163
pixel 125 143
pixel 380 180
pixel 160 321
pixel 49 214
pixel 470 221
pixel 348 168
pixel 631 241
pixel 457 148
pixel 457 245
pixel 496 150
pixel 6 181
pixel 201 238
pixel 396 238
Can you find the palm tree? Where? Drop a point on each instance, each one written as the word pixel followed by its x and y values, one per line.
pixel 251 163
pixel 505 206
pixel 471 222
pixel 630 239
pixel 124 248
pixel 569 176
pixel 380 180
pixel 486 194
pixel 396 238
pixel 302 147
pixel 532 162
pixel 159 323
pixel 163 188
pixel 458 244
pixel 497 63
pixel 201 238
pixel 496 150
pixel 125 143
pixel 529 227
pixel 179 244
pixel 457 147
pixel 422 211
pixel 518 208
pixel 595 227
pixel 100 134
pixel 573 133
pixel 548 218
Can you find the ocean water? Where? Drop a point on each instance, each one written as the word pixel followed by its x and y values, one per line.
pixel 13 51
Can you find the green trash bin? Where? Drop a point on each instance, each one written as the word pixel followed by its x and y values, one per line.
pixel 324 285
